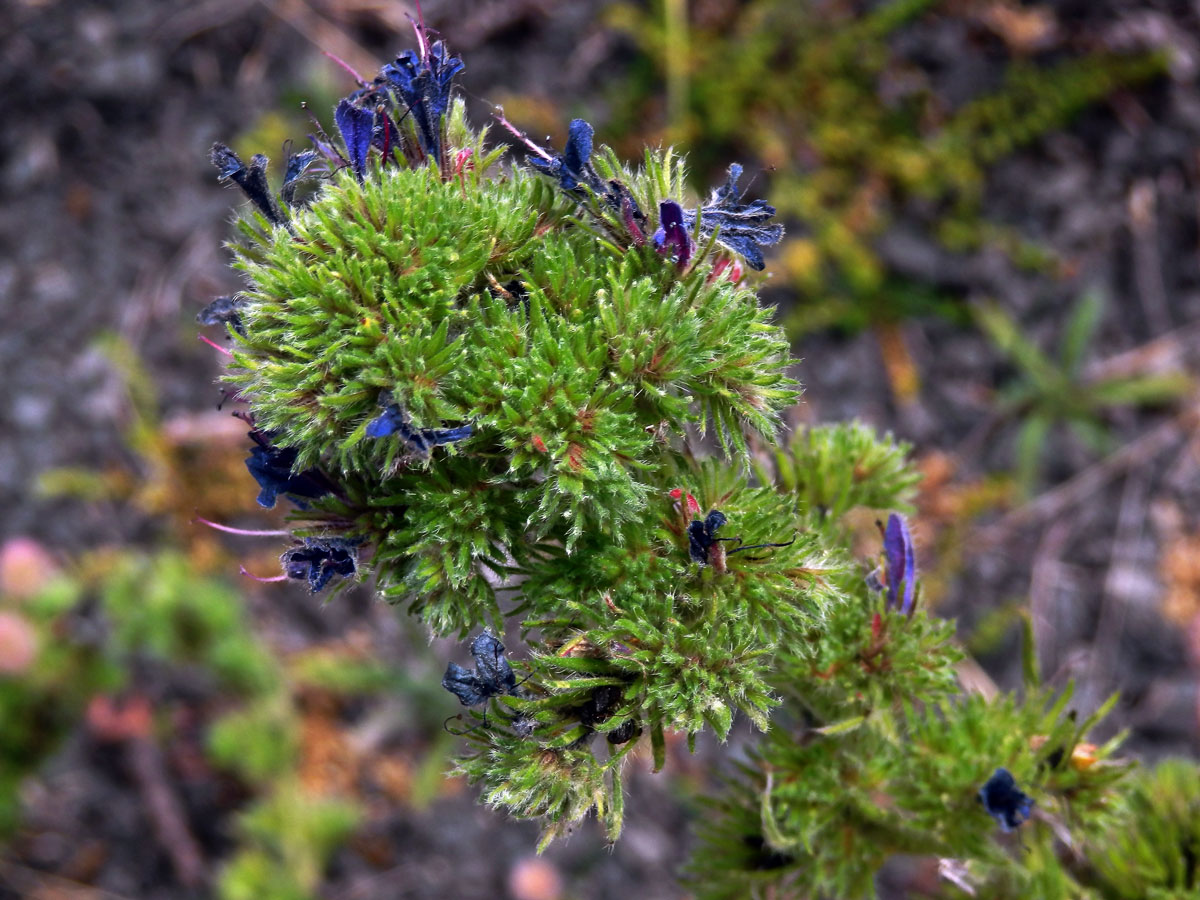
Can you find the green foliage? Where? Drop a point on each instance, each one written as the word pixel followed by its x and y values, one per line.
pixel 566 375
pixel 887 758
pixel 832 469
pixel 1157 858
pixel 257 742
pixel 158 606
pixel 1051 392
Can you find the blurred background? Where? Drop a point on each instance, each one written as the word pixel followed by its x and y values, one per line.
pixel 992 252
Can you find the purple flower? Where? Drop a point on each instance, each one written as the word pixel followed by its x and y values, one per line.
pixel 325 146
pixel 356 125
pixel 901 566
pixel 392 421
pixel 572 167
pixel 252 179
pixel 317 560
pixel 1004 802
pixel 741 227
pixel 423 82
pixel 672 235
pixel 272 467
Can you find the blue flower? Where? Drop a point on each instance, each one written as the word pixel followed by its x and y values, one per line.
pixel 392 421
pixel 897 571
pixel 901 564
pixel 572 167
pixel 423 85
pixel 672 235
pixel 272 467
pixel 317 560
pixel 741 227
pixel 1004 802
pixel 356 125
pixel 252 179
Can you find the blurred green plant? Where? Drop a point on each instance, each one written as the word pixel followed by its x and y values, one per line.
pixel 1159 859
pixel 174 470
pixel 158 608
pixel 286 841
pixel 1049 392
pixel 147 608
pixel 852 133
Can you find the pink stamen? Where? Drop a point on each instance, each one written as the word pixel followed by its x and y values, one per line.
pixel 419 28
pixel 635 230
pixel 519 135
pixel 245 531
pixel 387 134
pixel 345 65
pixel 214 345
pixel 259 578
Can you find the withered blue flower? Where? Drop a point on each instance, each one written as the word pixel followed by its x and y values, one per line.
pixel 356 125
pixel 252 179
pixel 624 732
pixel 317 560
pixel 573 167
pixel 419 441
pixel 1004 802
pixel 741 227
pixel 492 677
pixel 272 468
pixel 703 540
pixel 222 311
pixel 672 236
pixel 423 85
pixel 702 535
pixel 620 198
pixel 298 165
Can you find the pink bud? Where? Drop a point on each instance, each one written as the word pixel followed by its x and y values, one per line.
pixel 18 643
pixel 25 567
